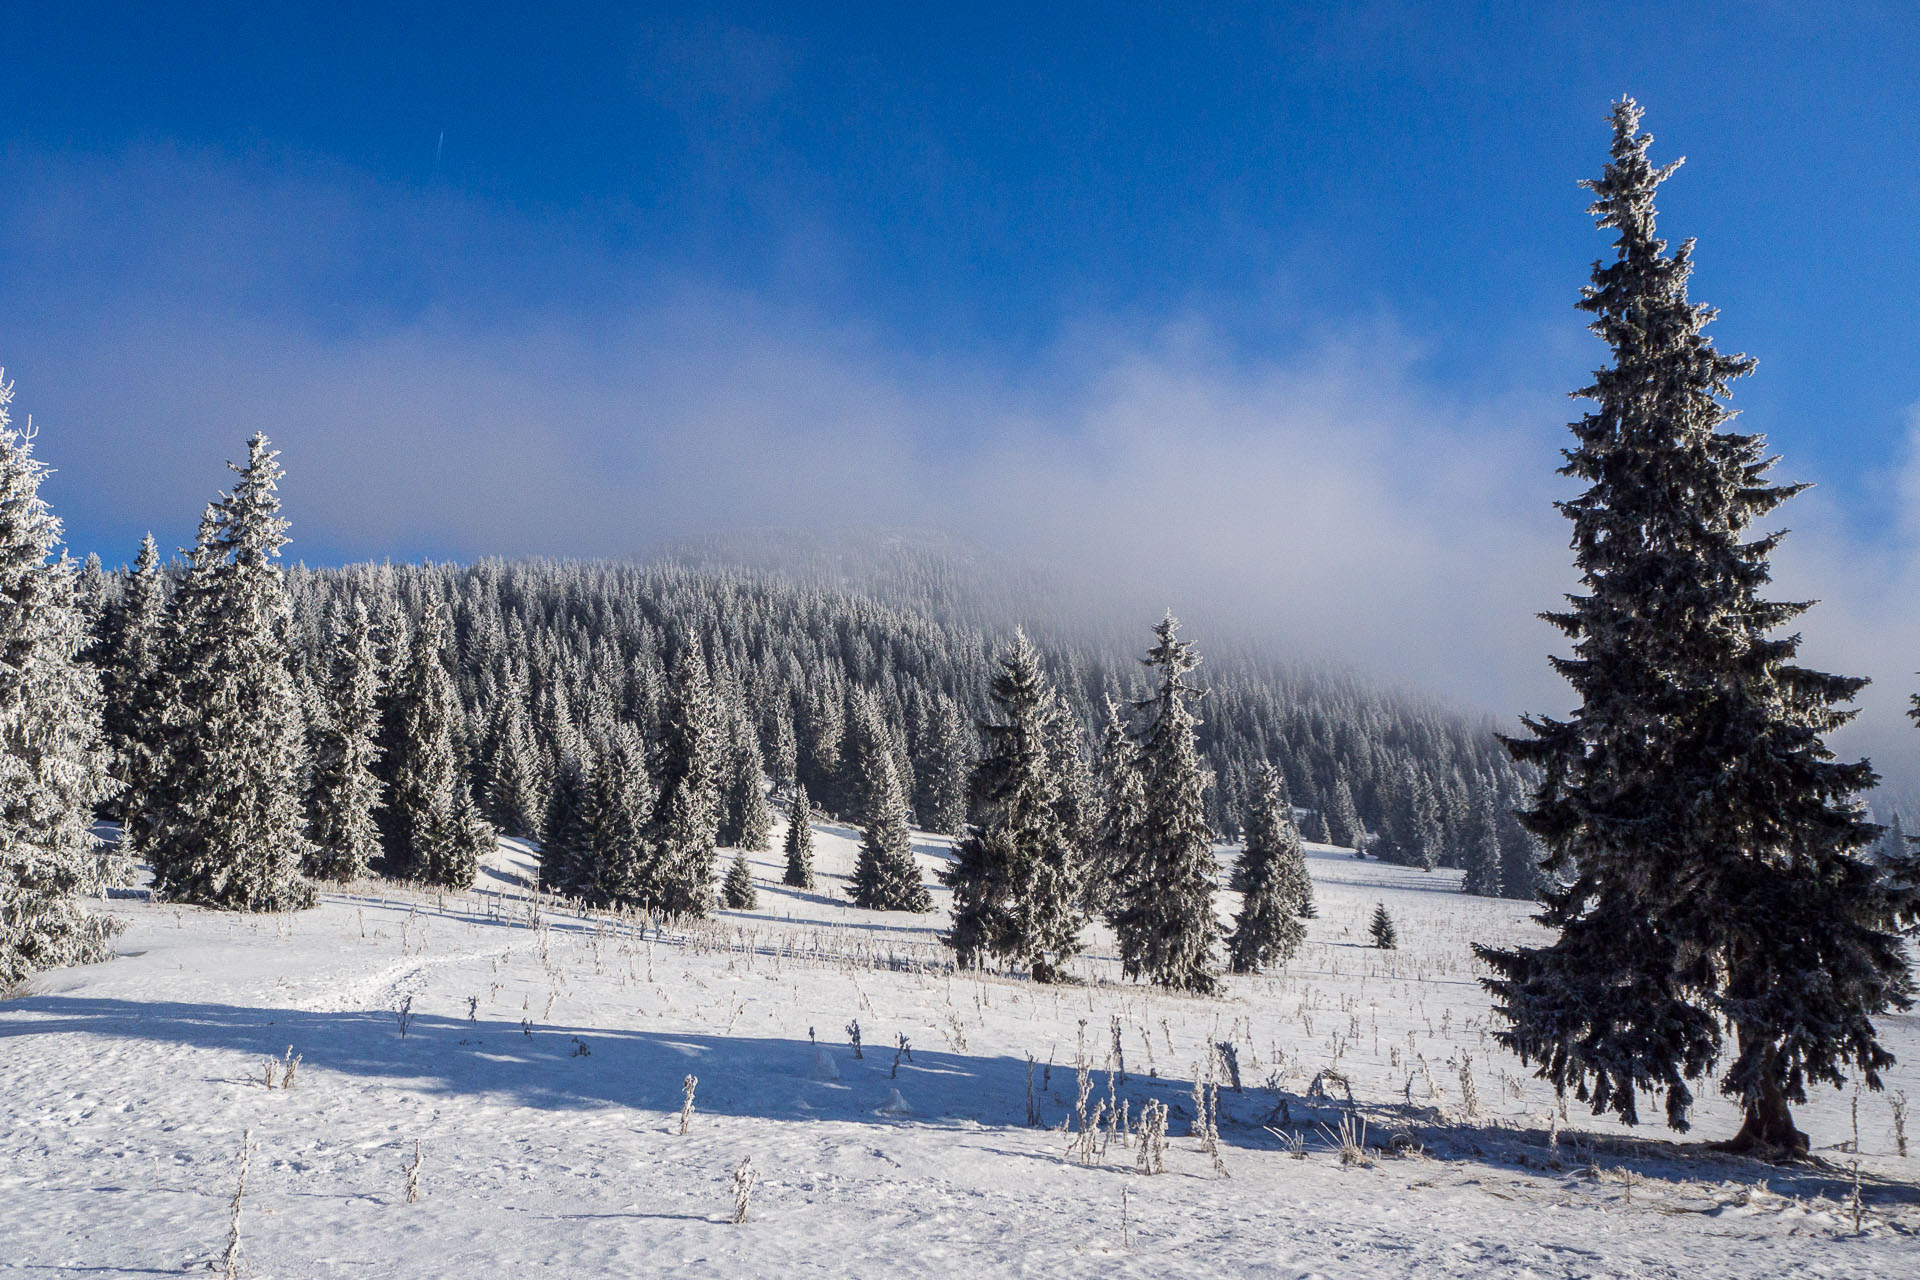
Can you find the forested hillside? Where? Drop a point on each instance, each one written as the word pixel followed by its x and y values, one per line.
pixel 557 661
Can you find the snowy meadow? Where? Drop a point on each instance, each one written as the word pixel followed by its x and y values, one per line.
pixel 492 1082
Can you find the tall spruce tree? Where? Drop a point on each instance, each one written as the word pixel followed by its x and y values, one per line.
pixel 619 866
pixel 346 789
pixel 1707 841
pixel 1343 819
pixel 1123 800
pixel 53 764
pixel 566 834
pixel 1482 850
pixel 687 814
pixel 1016 874
pixel 947 769
pixel 429 827
pixel 799 841
pixel 129 677
pixel 885 876
pixel 748 819
pixel 1273 878
pixel 1163 913
pixel 226 826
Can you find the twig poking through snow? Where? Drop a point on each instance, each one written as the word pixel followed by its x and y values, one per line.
pixel 744 1179
pixel 686 1106
pixel 230 1263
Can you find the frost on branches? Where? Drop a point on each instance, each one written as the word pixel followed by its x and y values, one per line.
pixel 53 765
pixel 227 826
pixel 1706 846
pixel 1163 909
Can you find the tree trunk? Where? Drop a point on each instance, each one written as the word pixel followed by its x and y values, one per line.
pixel 1768 1131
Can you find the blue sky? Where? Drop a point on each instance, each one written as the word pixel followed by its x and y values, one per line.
pixel 582 277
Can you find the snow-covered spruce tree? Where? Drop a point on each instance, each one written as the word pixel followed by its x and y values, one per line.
pixel 53 765
pixel 748 820
pixel 429 827
pixel 346 789
pixel 1482 850
pixel 885 876
pixel 1273 874
pixel 227 823
pixel 1163 912
pixel 619 866
pixel 948 768
pixel 799 842
pixel 687 812
pixel 736 891
pixel 129 670
pixel 1707 841
pixel 1123 800
pixel 514 794
pixel 1252 795
pixel 1343 819
pixel 566 839
pixel 1016 873
pixel 1384 935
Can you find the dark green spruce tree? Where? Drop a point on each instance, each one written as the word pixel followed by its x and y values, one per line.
pixel 1706 843
pixel 1016 873
pixel 225 823
pixel 1273 879
pixel 345 791
pixel 1163 910
pixel 1384 935
pixel 429 828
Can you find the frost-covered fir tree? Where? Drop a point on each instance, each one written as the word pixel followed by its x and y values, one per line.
pixel 1273 879
pixel 1482 850
pixel 687 813
pixel 736 891
pixel 945 775
pixel 227 826
pixel 799 842
pixel 515 782
pixel 566 838
pixel 1381 929
pixel 129 677
pixel 885 876
pixel 1707 843
pixel 1123 800
pixel 1343 819
pixel 53 765
pixel 429 827
pixel 748 819
pixel 619 865
pixel 1163 911
pixel 1016 873
pixel 345 791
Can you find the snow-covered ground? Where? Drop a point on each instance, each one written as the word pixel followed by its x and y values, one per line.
pixel 541 1076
